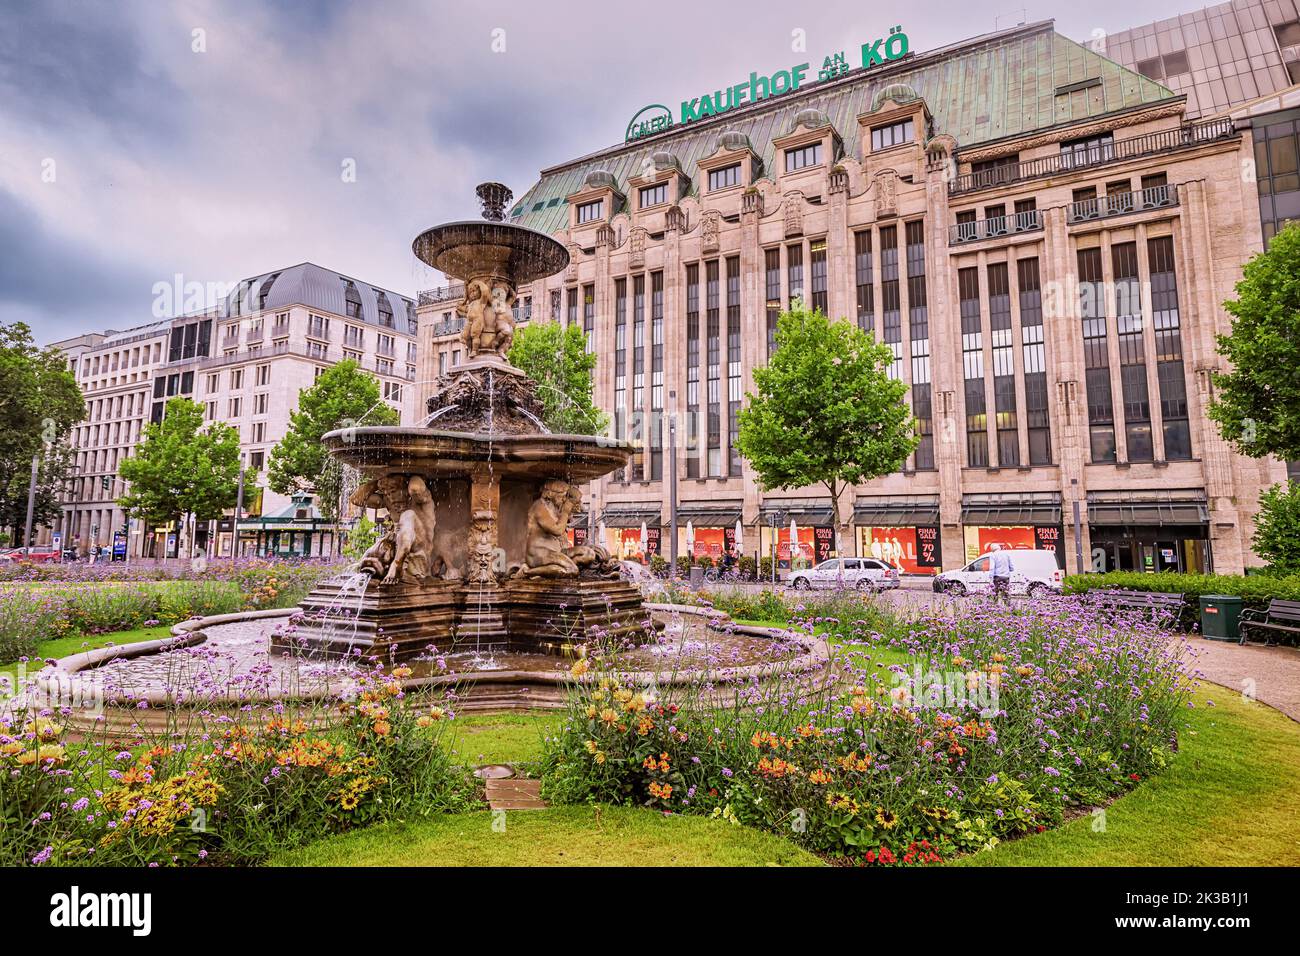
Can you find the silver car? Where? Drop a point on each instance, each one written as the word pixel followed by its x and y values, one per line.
pixel 865 574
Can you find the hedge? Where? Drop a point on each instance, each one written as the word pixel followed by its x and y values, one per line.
pixel 1255 590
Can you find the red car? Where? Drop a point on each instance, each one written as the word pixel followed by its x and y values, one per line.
pixel 37 555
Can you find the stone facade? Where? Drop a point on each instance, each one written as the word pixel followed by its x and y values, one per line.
pixel 964 256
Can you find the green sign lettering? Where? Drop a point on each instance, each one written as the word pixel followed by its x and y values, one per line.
pixel 657 118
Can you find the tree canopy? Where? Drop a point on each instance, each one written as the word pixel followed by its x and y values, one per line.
pixel 826 411
pixel 182 468
pixel 1257 405
pixel 40 402
pixel 1277 527
pixel 343 396
pixel 556 358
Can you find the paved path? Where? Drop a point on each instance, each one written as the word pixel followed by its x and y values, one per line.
pixel 1269 674
pixel 515 793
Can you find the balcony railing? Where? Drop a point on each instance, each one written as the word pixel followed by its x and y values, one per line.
pixel 447 293
pixel 1027 221
pixel 1119 204
pixel 1102 154
pixel 448 328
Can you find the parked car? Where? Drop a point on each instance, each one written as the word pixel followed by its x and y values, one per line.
pixel 1032 572
pixel 37 555
pixel 865 574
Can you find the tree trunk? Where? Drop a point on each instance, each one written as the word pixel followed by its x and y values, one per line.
pixel 835 530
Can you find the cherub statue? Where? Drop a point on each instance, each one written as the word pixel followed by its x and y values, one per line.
pixel 503 301
pixel 479 315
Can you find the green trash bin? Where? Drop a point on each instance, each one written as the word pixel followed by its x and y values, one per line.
pixel 1221 617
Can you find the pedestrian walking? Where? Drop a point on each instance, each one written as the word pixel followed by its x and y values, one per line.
pixel 1000 564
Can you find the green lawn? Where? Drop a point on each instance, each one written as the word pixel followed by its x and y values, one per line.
pixel 1228 799
pixel 512 738
pixel 560 836
pixel 75 644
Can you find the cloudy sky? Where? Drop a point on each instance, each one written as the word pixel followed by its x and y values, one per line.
pixel 141 140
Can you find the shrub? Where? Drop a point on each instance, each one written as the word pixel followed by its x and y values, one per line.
pixel 683 565
pixel 747 567
pixel 658 565
pixel 703 561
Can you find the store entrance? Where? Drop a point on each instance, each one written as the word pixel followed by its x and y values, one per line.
pixel 1177 548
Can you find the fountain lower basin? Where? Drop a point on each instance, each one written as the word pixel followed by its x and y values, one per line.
pixel 218 665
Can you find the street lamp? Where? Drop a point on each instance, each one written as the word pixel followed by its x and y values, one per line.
pixel 672 485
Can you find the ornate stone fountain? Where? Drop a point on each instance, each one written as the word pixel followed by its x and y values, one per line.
pixel 474 553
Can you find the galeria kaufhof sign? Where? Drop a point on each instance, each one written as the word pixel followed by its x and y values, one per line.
pixel 656 117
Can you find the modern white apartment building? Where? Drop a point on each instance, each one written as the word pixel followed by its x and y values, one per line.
pixel 246 362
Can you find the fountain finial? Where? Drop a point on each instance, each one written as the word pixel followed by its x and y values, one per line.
pixel 494 197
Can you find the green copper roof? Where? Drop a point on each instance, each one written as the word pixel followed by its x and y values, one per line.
pixel 980 90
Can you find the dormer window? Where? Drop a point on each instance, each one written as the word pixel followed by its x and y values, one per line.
pixel 653 195
pixel 725 177
pixel 591 211
pixel 893 134
pixel 803 157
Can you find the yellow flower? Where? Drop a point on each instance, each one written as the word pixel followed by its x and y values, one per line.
pixel 402 672
pixel 580 667
pixel 592 746
pixel 424 720
pixel 819 777
pixel 600 756
pixel 608 715
pixel 383 728
pixel 592 712
pixel 27 757
pixel 885 818
pixel 11 748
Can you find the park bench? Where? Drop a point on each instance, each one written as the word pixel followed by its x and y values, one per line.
pixel 1161 604
pixel 1282 618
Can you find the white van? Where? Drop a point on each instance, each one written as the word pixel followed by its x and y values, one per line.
pixel 1032 572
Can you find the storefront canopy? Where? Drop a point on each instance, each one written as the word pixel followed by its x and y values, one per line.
pixel 896 512
pixel 632 515
pixel 1005 510
pixel 710 514
pixel 805 511
pixel 1109 508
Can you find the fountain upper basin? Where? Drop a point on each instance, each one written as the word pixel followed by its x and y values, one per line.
pixel 451 454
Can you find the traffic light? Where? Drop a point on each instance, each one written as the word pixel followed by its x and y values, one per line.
pixel 106 482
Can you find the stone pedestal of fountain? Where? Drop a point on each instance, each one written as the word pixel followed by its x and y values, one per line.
pixel 478 500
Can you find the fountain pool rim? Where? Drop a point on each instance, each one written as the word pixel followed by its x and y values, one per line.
pixel 552 685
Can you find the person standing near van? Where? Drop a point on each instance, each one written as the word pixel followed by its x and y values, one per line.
pixel 1000 565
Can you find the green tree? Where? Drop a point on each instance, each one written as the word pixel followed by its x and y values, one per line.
pixel 826 411
pixel 344 396
pixel 556 358
pixel 182 469
pixel 1277 527
pixel 363 535
pixel 39 404
pixel 1257 405
pixel 52 476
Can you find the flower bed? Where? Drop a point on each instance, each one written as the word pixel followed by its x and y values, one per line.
pixel 35 612
pixel 226 793
pixel 1006 722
